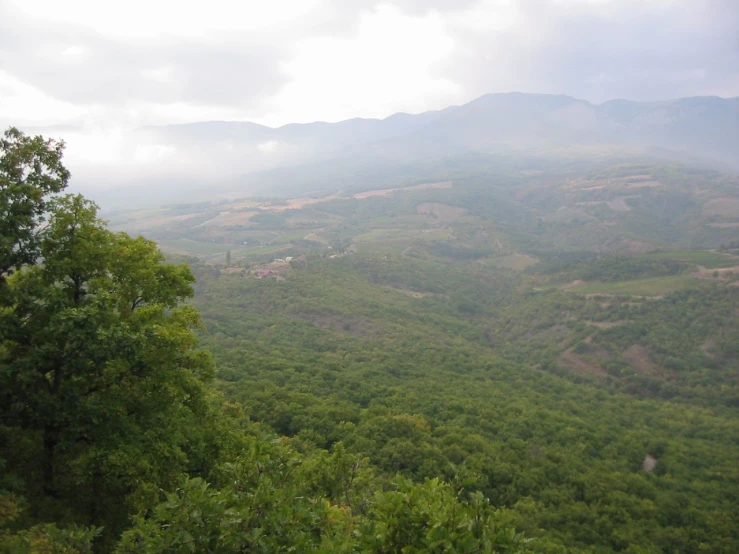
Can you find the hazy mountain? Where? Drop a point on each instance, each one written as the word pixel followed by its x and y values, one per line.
pixel 705 127
pixel 260 147
pixel 198 160
pixel 696 124
pixel 692 123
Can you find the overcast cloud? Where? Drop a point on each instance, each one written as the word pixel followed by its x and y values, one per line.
pixel 158 61
pixel 109 67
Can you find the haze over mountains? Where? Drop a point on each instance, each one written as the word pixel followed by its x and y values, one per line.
pixel 228 157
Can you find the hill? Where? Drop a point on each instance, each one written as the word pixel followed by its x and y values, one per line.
pixel 526 206
pixel 700 127
pixel 548 399
pixel 539 357
pixel 560 336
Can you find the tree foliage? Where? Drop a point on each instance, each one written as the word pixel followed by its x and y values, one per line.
pixel 101 379
pixel 105 414
pixel 30 170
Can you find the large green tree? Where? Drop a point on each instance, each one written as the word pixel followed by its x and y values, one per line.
pixel 101 380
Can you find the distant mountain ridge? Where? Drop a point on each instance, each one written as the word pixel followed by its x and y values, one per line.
pixel 206 160
pixel 700 126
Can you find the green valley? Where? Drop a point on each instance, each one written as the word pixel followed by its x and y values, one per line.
pixel 511 361
pixel 537 340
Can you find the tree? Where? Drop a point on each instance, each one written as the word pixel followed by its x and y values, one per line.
pixel 30 170
pixel 266 503
pixel 228 257
pixel 269 500
pixel 99 366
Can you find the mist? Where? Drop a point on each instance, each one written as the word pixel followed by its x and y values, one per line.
pixel 185 104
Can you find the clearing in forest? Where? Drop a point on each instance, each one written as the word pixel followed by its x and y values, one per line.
pixel 580 365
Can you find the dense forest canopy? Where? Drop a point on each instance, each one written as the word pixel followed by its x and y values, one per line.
pixel 510 362
pixel 106 414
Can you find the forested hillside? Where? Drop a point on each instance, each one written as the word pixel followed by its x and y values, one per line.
pixel 527 358
pixel 548 402
pixel 111 439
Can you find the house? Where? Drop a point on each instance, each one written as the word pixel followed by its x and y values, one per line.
pixel 264 273
pixel 279 261
pixel 289 259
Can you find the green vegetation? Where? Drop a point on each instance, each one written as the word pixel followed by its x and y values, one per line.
pixel 641 287
pixel 698 257
pixel 473 380
pixel 494 206
pixel 472 377
pixel 110 440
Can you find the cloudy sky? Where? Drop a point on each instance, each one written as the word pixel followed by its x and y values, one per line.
pixel 93 62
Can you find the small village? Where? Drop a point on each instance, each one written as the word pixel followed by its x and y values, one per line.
pixel 277 268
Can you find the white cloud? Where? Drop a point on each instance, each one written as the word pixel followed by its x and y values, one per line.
pixel 94 147
pixel 152 19
pixel 488 15
pixel 150 153
pixel 22 104
pixel 267 147
pixel 386 67
pixel 74 54
pixel 155 61
pixel 111 66
pixel 161 74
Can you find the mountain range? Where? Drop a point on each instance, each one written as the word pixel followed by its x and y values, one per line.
pixel 239 158
pixel 706 126
pixel 703 129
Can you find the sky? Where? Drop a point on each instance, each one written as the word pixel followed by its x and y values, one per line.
pixel 120 65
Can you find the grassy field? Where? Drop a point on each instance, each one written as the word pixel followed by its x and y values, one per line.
pixel 652 286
